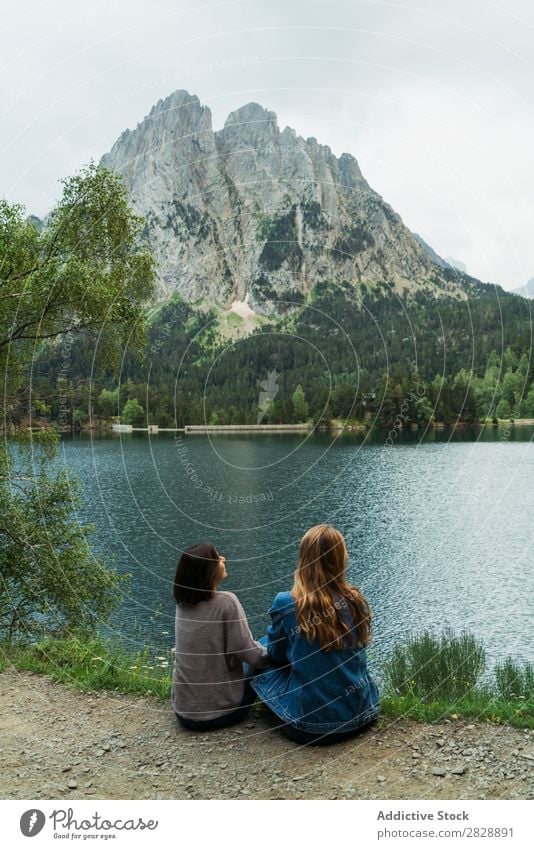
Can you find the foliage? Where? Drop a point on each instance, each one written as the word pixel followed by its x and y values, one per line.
pixel 133 413
pixel 431 667
pixel 94 664
pixel 47 569
pixel 430 677
pixel 281 243
pixel 364 355
pixel 300 406
pixel 354 240
pixel 514 681
pixel 98 663
pixel 482 706
pixel 107 403
pixel 82 272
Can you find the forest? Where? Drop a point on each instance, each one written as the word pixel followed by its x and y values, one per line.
pixel 357 355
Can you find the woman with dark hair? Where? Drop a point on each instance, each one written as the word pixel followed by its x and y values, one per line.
pixel 213 643
pixel 320 688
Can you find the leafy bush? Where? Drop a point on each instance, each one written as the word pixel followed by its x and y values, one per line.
pixel 48 572
pixel 133 413
pixel 434 667
pixel 513 681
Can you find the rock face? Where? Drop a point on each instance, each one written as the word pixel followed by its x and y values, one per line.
pixel 253 210
pixel 526 291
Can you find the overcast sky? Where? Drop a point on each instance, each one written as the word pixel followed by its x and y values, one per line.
pixel 434 99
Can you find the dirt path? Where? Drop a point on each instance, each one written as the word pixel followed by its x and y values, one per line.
pixel 59 743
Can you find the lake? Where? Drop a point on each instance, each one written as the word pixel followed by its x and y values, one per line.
pixel 439 530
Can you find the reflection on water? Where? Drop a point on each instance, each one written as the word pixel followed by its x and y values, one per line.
pixel 439 531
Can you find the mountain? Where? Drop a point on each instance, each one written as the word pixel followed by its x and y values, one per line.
pixel 252 213
pixel 270 240
pixel 38 223
pixel 526 291
pixel 456 263
pixel 436 258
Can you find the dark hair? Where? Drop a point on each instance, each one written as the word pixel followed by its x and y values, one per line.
pixel 196 574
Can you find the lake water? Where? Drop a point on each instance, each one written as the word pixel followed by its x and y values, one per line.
pixel 439 531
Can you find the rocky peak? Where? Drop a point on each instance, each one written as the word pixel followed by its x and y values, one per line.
pixel 178 126
pixel 251 128
pixel 252 114
pixel 180 111
pixel 250 211
pixel 350 170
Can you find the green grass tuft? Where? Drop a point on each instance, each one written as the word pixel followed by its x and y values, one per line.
pixel 434 667
pixel 94 665
pixel 434 677
pixel 428 679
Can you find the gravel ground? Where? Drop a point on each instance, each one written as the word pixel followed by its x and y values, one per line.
pixel 59 743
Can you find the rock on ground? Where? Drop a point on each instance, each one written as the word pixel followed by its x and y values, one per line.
pixel 59 743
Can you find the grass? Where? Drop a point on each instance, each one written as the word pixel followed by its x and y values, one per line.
pixel 434 667
pixel 93 664
pixel 480 706
pixel 432 677
pixel 428 678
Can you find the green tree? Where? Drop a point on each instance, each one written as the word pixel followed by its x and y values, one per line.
pixel 83 273
pixel 493 361
pixel 504 411
pixel 133 413
pixel 529 404
pixel 509 359
pixel 424 411
pixel 508 388
pixel 49 574
pixel 523 365
pixel 441 395
pixel 300 407
pixel 107 403
pixel 347 401
pixel 463 396
pixel 80 417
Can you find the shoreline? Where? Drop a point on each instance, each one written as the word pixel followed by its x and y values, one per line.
pixel 285 429
pixel 98 663
pixel 61 743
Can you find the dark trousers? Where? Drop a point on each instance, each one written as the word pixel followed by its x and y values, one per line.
pixel 232 718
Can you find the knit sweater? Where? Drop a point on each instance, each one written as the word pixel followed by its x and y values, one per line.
pixel 213 640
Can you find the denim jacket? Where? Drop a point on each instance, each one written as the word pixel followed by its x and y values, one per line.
pixel 311 689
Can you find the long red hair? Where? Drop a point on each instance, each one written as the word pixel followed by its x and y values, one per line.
pixel 321 592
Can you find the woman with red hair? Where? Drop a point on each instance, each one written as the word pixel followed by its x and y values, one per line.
pixel 319 687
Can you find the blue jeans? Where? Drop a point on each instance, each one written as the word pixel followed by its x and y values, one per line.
pixel 232 718
pixel 305 738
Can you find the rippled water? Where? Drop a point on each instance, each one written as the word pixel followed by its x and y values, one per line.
pixel 439 532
